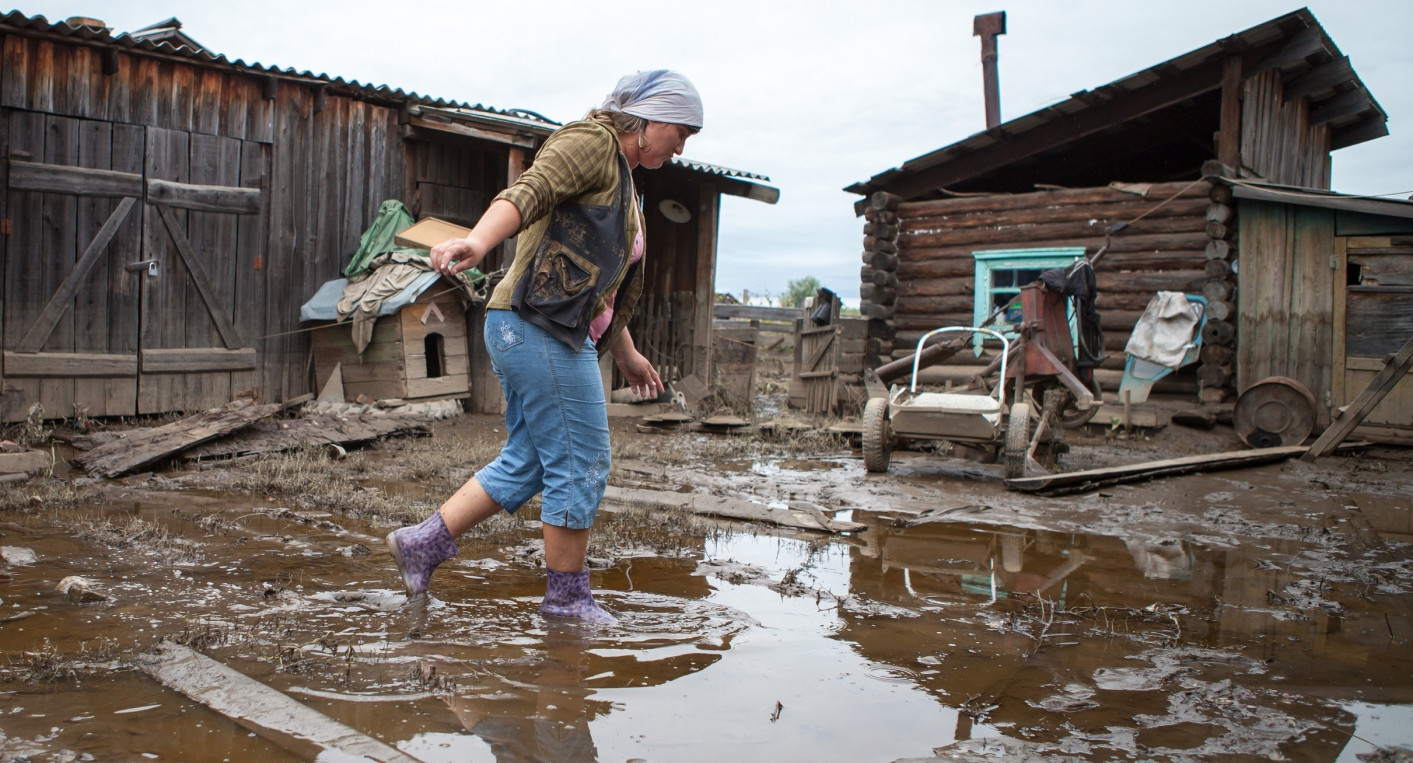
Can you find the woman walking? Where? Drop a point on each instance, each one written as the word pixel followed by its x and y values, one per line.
pixel 565 300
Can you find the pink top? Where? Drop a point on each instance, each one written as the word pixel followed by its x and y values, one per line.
pixel 600 324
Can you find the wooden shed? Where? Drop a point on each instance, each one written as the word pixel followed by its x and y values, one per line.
pixel 1136 163
pixel 166 210
pixel 1326 297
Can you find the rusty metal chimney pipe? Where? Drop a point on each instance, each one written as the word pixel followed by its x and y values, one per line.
pixel 987 26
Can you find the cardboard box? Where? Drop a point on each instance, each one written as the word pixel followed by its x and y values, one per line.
pixel 428 232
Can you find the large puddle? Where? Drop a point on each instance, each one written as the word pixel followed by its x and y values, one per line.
pixel 751 645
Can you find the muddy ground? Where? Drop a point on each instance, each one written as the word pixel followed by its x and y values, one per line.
pixel 1261 613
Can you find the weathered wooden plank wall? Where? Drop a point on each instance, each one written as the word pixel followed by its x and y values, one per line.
pixel 1286 299
pixel 323 160
pixel 1277 141
pixel 666 326
pixel 1163 251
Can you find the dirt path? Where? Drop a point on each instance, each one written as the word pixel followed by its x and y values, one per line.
pixel 1258 613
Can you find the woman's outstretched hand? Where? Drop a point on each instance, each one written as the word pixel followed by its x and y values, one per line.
pixel 455 255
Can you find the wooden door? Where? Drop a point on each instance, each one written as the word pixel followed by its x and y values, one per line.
pixel 95 209
pixel 1374 319
pixel 196 348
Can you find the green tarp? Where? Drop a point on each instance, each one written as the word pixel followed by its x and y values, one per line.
pixel 392 219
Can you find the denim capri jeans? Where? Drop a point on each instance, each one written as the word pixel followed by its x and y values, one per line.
pixel 556 422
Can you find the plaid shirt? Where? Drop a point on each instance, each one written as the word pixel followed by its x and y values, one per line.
pixel 578 162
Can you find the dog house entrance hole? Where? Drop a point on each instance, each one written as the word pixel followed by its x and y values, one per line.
pixel 435 347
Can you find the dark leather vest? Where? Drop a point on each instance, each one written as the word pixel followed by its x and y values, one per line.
pixel 577 262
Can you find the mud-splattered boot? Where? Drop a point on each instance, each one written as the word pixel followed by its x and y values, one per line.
pixel 419 549
pixel 567 594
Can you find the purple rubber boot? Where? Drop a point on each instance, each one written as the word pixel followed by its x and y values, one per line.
pixel 567 594
pixel 419 549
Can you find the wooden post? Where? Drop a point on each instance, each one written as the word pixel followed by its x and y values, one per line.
pixel 708 214
pixel 1229 137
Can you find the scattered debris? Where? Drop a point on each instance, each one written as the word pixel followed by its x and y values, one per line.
pixel 17 465
pixel 360 424
pixel 148 446
pixel 17 556
pixel 80 590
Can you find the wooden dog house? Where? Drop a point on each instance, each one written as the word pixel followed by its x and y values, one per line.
pixel 418 350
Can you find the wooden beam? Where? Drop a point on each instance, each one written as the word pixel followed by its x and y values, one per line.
pixel 1301 45
pixel 195 360
pixel 754 312
pixel 62 300
pixel 1320 79
pixel 467 131
pixel 749 190
pixel 1074 482
pixel 1229 140
pixel 204 198
pixel 67 364
pixel 289 723
pixel 1345 104
pixel 707 220
pixel 228 331
pixel 58 178
pixel 1376 126
pixel 1382 383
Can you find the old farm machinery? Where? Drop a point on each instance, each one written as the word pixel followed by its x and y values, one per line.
pixel 1040 383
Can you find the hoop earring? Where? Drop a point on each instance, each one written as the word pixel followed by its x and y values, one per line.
pixel 643 144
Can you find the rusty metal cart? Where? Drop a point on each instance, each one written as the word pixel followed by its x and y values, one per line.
pixel 966 417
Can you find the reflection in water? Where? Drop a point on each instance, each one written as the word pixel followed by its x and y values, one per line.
pixel 1100 646
pixel 556 726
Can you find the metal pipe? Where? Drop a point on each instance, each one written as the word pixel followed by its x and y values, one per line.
pixel 987 26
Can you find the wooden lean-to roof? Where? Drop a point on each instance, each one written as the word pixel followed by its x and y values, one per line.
pixel 1158 121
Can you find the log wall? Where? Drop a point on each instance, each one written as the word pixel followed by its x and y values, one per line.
pixel 1165 250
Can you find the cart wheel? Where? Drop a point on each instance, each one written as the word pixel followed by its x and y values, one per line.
pixel 877 435
pixel 1017 441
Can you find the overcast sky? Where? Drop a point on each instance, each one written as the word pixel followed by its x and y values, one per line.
pixel 815 94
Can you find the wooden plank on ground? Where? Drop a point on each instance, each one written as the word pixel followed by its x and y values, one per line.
pixel 315 429
pixel 29 461
pixel 149 446
pixel 1077 482
pixel 799 516
pixel 1394 370
pixel 277 716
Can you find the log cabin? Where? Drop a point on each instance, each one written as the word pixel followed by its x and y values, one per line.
pixel 1161 167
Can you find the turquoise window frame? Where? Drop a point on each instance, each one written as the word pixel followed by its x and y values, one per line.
pixel 988 263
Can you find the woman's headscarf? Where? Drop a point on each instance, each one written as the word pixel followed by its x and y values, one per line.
pixel 659 95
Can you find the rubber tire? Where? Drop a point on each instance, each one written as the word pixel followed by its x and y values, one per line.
pixel 1017 441
pixel 877 436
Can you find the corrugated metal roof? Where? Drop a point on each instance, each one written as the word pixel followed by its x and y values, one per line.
pixel 18 20
pixel 1263 34
pixel 714 169
pixel 144 40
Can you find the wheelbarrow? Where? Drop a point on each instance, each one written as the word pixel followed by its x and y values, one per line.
pixel 979 419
